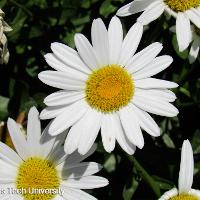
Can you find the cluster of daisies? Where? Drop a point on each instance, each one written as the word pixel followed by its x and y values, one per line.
pixel 105 87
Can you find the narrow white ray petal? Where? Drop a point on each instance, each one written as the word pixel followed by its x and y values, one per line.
pixel 194 51
pixel 69 57
pixel 121 138
pixel 130 43
pixel 183 31
pixel 160 94
pixel 194 16
pixel 169 194
pixel 151 83
pixel 144 57
pixel 63 97
pixel 9 155
pixel 76 194
pixel 67 81
pixel 18 139
pixel 89 126
pixel 186 168
pixel 88 182
pixel 51 112
pixel 115 34
pixel 33 131
pixel 86 51
pixel 100 41
pixel 146 122
pixel 77 157
pixel 152 12
pixel 47 142
pixel 108 132
pixel 58 197
pixel 131 126
pixel 157 65
pixel 68 117
pixel 74 171
pixel 134 7
pixel 155 106
pixel 5 195
pixel 57 156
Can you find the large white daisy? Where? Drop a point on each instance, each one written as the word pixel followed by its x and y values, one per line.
pixel 184 191
pixel 107 87
pixel 183 10
pixel 41 164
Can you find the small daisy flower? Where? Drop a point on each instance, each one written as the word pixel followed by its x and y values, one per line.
pixel 183 10
pixel 40 164
pixel 184 191
pixel 105 86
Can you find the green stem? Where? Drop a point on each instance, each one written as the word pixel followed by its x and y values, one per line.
pixel 145 176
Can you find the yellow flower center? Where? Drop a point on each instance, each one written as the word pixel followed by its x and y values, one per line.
pixel 182 5
pixel 184 197
pixel 109 88
pixel 37 178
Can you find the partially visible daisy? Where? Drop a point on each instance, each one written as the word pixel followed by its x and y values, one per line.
pixel 40 163
pixel 183 10
pixel 184 191
pixel 105 86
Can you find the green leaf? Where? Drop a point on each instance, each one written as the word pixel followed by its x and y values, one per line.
pixel 168 141
pixel 110 163
pixel 4 101
pixel 107 8
pixel 130 189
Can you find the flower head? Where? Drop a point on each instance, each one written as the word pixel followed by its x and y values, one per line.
pixel 39 169
pixel 184 191
pixel 107 86
pixel 4 27
pixel 183 10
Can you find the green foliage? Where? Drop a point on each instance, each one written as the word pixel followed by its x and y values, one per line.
pixel 36 24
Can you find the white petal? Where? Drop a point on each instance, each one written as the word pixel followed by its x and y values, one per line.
pixel 68 117
pixel 69 56
pixel 194 16
pixel 89 126
pixel 162 95
pixel 51 112
pixel 100 42
pixel 186 168
pixel 131 126
pixel 115 34
pixel 144 57
pixel 67 81
pixel 33 131
pixel 146 122
pixel 121 138
pixel 152 12
pixel 9 155
pixel 151 83
pixel 155 106
pixel 183 31
pixel 77 157
pixel 74 171
pixel 75 194
pixel 18 139
pixel 88 182
pixel 63 98
pixel 169 194
pixel 130 43
pixel 157 65
pixel 108 132
pixel 86 51
pixel 58 155
pixel 134 7
pixel 194 51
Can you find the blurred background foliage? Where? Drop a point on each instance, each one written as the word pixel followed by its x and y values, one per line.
pixel 36 24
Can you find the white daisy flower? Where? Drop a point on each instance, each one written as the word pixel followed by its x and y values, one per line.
pixel 107 87
pixel 184 191
pixel 183 10
pixel 40 163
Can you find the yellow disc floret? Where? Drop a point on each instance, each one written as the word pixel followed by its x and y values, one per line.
pixel 182 5
pixel 184 197
pixel 37 179
pixel 109 88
